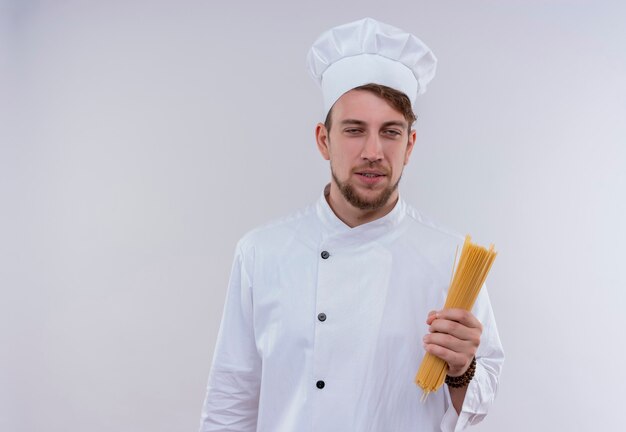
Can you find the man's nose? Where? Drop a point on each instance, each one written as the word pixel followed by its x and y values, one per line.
pixel 372 148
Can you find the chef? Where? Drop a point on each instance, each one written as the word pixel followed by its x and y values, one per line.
pixel 330 310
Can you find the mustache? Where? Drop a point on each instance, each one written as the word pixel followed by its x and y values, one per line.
pixel 372 166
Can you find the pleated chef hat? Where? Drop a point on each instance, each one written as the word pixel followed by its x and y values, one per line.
pixel 368 51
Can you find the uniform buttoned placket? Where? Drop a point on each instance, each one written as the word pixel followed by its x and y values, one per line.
pixel 321 326
pixel 323 389
pixel 351 289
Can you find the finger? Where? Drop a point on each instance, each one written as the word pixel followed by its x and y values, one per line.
pixel 459 315
pixel 431 317
pixel 455 329
pixel 456 361
pixel 451 343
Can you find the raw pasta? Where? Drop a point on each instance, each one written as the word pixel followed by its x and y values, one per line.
pixel 469 277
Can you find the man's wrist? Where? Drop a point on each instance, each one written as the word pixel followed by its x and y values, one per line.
pixel 462 380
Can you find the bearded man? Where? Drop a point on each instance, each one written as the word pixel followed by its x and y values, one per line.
pixel 329 311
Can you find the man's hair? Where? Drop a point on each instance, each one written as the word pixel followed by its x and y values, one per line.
pixel 398 100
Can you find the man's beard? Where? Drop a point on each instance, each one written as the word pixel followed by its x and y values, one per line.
pixel 360 202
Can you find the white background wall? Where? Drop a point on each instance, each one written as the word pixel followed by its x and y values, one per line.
pixel 141 139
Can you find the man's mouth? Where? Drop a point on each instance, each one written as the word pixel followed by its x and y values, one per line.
pixel 371 174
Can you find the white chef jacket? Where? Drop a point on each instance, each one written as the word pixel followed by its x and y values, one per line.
pixel 323 325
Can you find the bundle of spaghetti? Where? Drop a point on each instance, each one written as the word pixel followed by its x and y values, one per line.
pixel 471 272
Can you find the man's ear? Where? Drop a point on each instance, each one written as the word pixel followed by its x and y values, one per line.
pixel 321 138
pixel 409 146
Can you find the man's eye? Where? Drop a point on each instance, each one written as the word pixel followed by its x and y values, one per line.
pixel 352 131
pixel 392 132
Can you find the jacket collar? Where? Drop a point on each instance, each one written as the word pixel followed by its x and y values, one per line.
pixel 333 226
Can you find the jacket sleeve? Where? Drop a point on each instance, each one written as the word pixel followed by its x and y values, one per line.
pixel 482 389
pixel 231 402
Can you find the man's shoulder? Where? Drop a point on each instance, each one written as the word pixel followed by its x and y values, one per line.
pixel 422 222
pixel 279 229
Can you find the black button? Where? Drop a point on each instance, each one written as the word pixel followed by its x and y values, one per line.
pixel 320 384
pixel 325 254
pixel 321 317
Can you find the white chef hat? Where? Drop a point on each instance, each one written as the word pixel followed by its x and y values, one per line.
pixel 368 51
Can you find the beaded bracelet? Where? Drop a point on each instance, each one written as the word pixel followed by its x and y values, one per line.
pixel 462 380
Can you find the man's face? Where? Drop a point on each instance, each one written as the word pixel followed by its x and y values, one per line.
pixel 368 146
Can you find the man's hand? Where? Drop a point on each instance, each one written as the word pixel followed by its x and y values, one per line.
pixel 454 337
